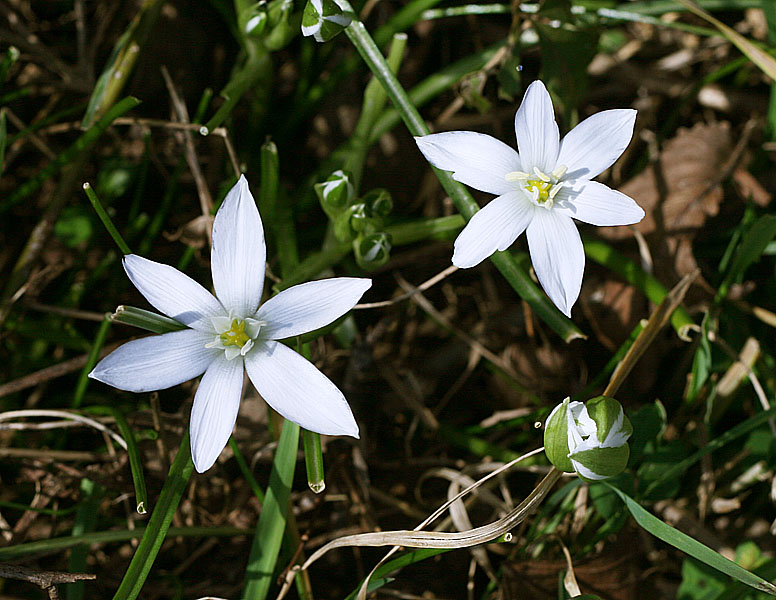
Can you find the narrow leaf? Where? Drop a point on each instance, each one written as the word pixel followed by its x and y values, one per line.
pixel 694 548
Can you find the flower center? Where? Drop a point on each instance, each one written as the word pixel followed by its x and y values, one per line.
pixel 540 187
pixel 235 336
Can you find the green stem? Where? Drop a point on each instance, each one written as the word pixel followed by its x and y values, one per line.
pixel 155 533
pixel 259 574
pixel 313 456
pixel 94 353
pixel 106 220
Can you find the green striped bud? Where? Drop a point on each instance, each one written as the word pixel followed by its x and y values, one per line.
pixel 323 19
pixel 590 439
pixel 336 193
pixel 372 250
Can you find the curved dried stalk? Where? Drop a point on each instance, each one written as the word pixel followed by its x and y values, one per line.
pixel 458 539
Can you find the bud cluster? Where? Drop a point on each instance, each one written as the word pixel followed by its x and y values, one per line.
pixel 357 220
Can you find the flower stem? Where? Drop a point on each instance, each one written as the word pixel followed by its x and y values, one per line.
pixel 106 220
pixel 155 533
pixel 259 574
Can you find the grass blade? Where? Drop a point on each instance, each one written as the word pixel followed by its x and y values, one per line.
pixel 135 464
pixel 272 522
pixel 154 534
pixel 694 548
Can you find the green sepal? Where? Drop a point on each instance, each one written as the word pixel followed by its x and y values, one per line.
pixel 326 24
pixel 373 250
pixel 605 462
pixel 379 202
pixel 335 193
pixel 556 445
pixel 605 411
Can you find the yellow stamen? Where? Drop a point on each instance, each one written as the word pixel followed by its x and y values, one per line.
pixel 235 335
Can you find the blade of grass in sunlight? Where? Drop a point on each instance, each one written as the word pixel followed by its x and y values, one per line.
pixel 161 517
pixel 762 59
pixel 688 545
pixel 259 574
pixel 82 144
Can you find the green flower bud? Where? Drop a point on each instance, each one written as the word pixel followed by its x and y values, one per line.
pixel 335 193
pixel 379 202
pixel 253 20
pixel 372 250
pixel 590 438
pixel 282 25
pixel 323 19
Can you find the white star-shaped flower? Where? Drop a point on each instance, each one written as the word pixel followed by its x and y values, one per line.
pixel 540 189
pixel 229 333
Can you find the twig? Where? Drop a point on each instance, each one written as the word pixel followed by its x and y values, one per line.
pixel 423 286
pixel 52 372
pixel 179 108
pixel 46 580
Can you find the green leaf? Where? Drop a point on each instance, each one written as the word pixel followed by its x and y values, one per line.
pixel 692 547
pixel 74 227
pixel 701 362
pixel 700 582
pixel 155 533
pixel 259 574
pixel 408 558
pixel 752 246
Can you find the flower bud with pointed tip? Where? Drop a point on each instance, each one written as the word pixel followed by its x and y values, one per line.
pixel 379 202
pixel 335 193
pixel 324 19
pixel 590 439
pixel 372 250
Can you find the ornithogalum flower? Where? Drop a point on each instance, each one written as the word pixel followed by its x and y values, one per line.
pixel 540 190
pixel 229 333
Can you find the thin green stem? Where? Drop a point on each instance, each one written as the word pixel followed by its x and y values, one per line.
pixel 246 470
pixel 313 456
pixel 155 533
pixel 94 353
pixel 106 220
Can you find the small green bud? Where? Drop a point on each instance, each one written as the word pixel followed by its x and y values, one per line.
pixel 335 193
pixel 372 250
pixel 590 438
pixel 324 19
pixel 282 25
pixel 379 202
pixel 253 20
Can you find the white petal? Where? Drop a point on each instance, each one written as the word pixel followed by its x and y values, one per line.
pixel 476 159
pixel 215 410
pixel 593 145
pixel 557 256
pixel 297 390
pixel 537 131
pixel 597 204
pixel 175 294
pixel 492 228
pixel 585 472
pixel 308 306
pixel 239 252
pixel 156 362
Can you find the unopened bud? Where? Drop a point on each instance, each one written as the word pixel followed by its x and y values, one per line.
pixel 590 439
pixel 323 19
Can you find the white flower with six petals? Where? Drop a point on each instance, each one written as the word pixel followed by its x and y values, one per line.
pixel 229 333
pixel 540 189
